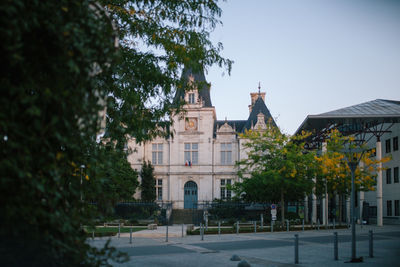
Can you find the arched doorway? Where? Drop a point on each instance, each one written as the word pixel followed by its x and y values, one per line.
pixel 190 195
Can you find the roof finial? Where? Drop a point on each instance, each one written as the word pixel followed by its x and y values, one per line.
pixel 259 88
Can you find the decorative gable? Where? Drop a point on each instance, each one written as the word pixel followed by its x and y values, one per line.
pixel 260 125
pixel 225 128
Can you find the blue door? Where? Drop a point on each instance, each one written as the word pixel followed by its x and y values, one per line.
pixel 190 199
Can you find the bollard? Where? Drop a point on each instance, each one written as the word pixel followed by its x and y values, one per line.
pixel 119 230
pixel 166 234
pixel 202 231
pixel 371 244
pixel 272 226
pixel 237 227
pixel 335 246
pixel 296 248
pixel 287 225
pixel 302 225
pixel 255 226
pixel 334 223
pixel 262 221
pixel 130 236
pixel 206 222
pixel 93 234
pixel 219 227
pixel 318 224
pixel 182 229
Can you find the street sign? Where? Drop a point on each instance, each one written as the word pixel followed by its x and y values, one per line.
pixel 273 212
pixel 273 206
pixel 274 218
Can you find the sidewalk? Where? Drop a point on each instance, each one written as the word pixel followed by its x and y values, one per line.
pixel 160 232
pixel 258 249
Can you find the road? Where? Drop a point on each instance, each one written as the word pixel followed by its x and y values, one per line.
pixel 261 249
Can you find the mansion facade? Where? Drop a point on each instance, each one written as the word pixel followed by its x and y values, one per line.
pixel 198 163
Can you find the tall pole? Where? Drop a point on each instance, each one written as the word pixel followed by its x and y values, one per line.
pixel 325 200
pixel 379 205
pixel 314 203
pixel 353 166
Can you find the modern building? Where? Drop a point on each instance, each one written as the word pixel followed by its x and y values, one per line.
pixel 198 163
pixel 377 123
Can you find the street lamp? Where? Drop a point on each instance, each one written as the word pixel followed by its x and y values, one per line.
pixel 353 157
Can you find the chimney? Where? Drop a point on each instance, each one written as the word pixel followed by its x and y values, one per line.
pixel 254 97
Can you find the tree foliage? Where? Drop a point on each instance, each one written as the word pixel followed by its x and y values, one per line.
pixel 148 182
pixel 110 179
pixel 277 168
pixel 157 39
pixel 334 171
pixel 61 63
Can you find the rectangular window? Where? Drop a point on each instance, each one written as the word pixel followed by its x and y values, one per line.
pixel 191 153
pixel 226 193
pixel 396 174
pixel 226 153
pixel 389 208
pixel 387 145
pixel 158 188
pixel 396 208
pixel 389 176
pixel 191 98
pixel 395 143
pixel 157 154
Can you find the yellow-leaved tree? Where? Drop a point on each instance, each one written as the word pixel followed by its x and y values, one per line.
pixel 334 175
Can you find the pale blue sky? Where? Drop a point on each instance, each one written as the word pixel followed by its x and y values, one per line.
pixel 310 56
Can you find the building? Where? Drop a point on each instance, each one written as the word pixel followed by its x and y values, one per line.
pixel 198 163
pixel 376 122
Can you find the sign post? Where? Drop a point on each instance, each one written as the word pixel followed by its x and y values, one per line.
pixel 273 212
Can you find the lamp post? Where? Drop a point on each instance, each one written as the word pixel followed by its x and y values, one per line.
pixel 353 157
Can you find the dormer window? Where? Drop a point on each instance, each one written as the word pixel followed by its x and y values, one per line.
pixel 191 98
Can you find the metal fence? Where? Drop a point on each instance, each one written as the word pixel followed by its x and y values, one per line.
pixel 172 212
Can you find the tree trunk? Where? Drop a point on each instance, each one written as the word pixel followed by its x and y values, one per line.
pixel 282 208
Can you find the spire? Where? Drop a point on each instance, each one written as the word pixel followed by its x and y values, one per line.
pixel 258 106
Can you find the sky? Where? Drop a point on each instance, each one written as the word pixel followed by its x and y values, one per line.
pixel 310 56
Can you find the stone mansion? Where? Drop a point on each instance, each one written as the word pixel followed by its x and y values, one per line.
pixel 198 163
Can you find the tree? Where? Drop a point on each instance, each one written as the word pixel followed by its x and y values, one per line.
pixel 156 38
pixel 277 168
pixel 148 182
pixel 62 64
pixel 111 179
pixel 48 118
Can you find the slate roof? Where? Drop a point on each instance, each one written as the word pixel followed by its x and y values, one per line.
pixel 204 90
pixel 241 125
pixel 378 107
pixel 259 106
pixel 374 112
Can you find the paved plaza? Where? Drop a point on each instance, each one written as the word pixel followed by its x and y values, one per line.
pixel 149 248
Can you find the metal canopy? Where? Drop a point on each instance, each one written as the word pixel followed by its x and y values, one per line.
pixel 368 117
